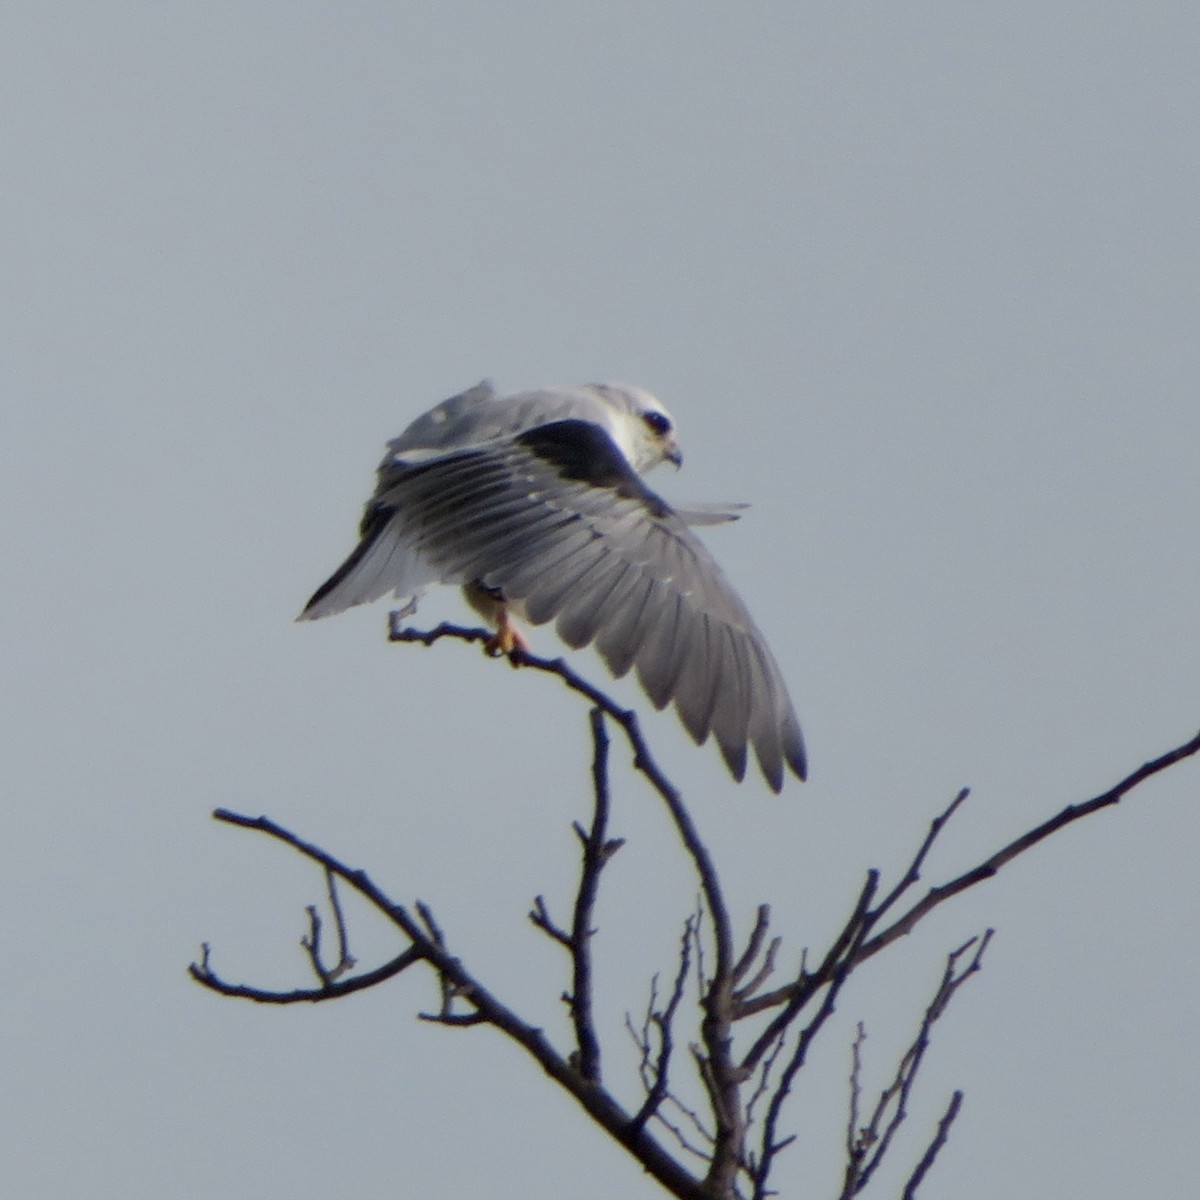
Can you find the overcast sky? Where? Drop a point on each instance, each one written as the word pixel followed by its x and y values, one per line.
pixel 919 281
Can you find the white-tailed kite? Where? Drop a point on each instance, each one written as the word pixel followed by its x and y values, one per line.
pixel 534 505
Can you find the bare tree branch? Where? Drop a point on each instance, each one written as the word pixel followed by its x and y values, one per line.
pixel 807 985
pixel 992 865
pixel 596 852
pixel 767 1064
pixel 427 945
pixel 203 974
pixel 597 849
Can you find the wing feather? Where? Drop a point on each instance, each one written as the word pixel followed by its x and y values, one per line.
pixel 695 693
pixel 616 640
pixel 588 610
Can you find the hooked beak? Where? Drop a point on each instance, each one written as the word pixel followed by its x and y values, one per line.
pixel 673 454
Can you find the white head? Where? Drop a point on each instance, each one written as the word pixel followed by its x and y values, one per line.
pixel 642 428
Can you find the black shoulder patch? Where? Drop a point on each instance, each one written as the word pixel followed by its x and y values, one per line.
pixel 579 450
pixel 582 451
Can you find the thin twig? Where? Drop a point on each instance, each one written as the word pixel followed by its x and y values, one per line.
pixel 762 922
pixel 912 873
pixel 844 956
pixel 871 1142
pixel 540 916
pixel 841 956
pixel 764 972
pixel 659 1089
pixel 934 1148
pixel 312 941
pixel 681 1138
pixel 345 958
pixel 311 944
pixel 854 1139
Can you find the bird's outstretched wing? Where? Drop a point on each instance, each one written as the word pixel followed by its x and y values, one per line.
pixel 561 526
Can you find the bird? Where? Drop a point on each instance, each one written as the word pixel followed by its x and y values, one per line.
pixel 534 504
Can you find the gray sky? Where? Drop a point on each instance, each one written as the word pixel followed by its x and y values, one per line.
pixel 919 281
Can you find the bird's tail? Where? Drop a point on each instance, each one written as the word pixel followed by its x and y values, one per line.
pixel 382 562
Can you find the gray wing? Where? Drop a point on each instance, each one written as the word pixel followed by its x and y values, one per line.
pixel 558 522
pixel 480 415
pixel 450 425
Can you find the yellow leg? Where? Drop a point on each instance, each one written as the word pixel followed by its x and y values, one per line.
pixel 489 604
pixel 508 638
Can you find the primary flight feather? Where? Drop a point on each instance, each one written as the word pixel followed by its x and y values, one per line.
pixel 534 504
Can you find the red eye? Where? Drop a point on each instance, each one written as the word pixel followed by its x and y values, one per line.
pixel 657 422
